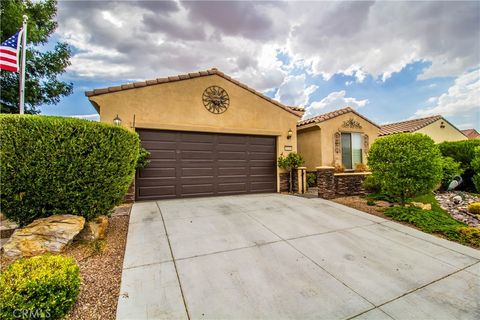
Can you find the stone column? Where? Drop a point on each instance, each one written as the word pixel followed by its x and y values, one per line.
pixel 326 182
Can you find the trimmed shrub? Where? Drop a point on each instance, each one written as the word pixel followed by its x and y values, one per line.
pixel 475 164
pixel 292 161
pixel 436 222
pixel 463 152
pixel 43 287
pixel 311 180
pixel 405 164
pixel 371 184
pixel 474 208
pixel 450 169
pixel 54 165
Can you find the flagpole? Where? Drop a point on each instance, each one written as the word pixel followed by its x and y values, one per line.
pixel 22 74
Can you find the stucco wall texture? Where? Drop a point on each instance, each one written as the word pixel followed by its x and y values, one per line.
pixel 438 134
pixel 178 106
pixel 317 142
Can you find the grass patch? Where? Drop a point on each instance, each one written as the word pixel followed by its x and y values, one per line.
pixel 436 221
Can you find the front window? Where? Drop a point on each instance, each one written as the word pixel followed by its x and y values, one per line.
pixel 351 150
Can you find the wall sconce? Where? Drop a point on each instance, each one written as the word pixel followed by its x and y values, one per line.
pixel 117 121
pixel 289 134
pixel 442 125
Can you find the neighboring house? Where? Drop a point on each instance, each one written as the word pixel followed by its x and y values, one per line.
pixel 436 127
pixel 207 133
pixel 471 134
pixel 340 137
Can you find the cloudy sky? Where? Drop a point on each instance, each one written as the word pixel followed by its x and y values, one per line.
pixel 390 60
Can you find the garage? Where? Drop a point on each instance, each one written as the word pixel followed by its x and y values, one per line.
pixel 208 134
pixel 189 164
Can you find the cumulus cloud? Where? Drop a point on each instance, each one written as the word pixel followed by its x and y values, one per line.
pixel 293 91
pixel 335 100
pixel 146 39
pixel 462 98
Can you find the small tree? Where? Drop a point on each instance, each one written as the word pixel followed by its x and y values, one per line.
pixel 290 162
pixel 405 164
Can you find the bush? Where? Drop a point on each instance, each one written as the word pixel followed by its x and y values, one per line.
pixel 54 165
pixel 474 208
pixel 39 287
pixel 475 164
pixel 450 169
pixel 405 164
pixel 311 180
pixel 371 184
pixel 436 222
pixel 290 162
pixel 361 167
pixel 463 152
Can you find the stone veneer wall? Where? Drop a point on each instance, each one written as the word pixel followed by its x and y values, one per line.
pixel 284 182
pixel 130 195
pixel 348 184
pixel 331 184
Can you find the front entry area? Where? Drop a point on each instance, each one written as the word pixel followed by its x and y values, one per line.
pixel 189 164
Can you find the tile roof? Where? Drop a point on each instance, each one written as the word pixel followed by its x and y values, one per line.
pixel 471 133
pixel 407 126
pixel 180 77
pixel 330 115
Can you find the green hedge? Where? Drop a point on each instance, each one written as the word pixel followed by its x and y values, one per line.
pixel 54 165
pixel 42 287
pixel 463 152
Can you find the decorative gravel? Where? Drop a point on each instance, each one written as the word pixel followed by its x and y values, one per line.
pixel 360 203
pixel 101 270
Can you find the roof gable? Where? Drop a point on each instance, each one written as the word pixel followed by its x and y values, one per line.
pixel 181 77
pixel 412 125
pixel 333 114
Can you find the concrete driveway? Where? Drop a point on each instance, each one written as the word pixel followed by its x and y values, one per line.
pixel 274 256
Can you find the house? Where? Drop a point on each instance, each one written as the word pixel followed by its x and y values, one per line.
pixel 471 134
pixel 207 134
pixel 340 137
pixel 436 127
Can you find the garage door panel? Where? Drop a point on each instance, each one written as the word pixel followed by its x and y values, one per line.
pixel 159 191
pixel 152 135
pixel 158 172
pixel 196 155
pixel 187 164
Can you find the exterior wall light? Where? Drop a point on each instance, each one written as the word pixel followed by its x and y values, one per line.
pixel 289 134
pixel 117 121
pixel 442 125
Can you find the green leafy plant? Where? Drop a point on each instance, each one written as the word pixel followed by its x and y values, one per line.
pixel 463 152
pixel 43 287
pixel 475 164
pixel 44 64
pixel 450 169
pixel 405 164
pixel 371 184
pixel 143 155
pixel 292 161
pixel 54 165
pixel 311 179
pixel 434 221
pixel 370 202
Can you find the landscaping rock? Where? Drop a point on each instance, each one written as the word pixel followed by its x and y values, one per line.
pixel 94 229
pixel 456 204
pixel 50 234
pixel 424 206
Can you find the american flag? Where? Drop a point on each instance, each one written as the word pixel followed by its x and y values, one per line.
pixel 9 52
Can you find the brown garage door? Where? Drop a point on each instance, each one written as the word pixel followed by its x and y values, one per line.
pixel 189 164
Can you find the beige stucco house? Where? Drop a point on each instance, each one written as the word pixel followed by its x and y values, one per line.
pixel 436 127
pixel 340 137
pixel 207 133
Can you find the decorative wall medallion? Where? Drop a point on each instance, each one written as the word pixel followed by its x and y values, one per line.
pixel 337 142
pixel 351 123
pixel 215 99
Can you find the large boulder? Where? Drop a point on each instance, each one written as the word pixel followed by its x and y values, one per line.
pixel 50 234
pixel 94 229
